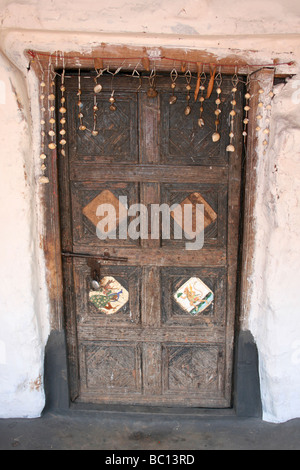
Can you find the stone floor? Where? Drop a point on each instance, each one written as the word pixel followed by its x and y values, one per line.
pixel 98 430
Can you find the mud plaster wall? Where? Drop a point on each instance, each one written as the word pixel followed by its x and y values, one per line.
pixel 261 32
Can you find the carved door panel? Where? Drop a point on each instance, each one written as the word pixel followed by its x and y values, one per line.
pixel 160 330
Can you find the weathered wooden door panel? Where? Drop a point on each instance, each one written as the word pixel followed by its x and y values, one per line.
pixel 182 143
pixel 117 141
pixel 214 198
pixel 88 315
pixel 213 316
pixel 147 341
pixel 86 196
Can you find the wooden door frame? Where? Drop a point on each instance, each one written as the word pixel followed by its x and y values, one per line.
pixel 51 244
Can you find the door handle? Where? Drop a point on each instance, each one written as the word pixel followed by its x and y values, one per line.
pixel 94 264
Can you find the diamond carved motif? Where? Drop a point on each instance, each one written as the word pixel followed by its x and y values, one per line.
pixel 194 296
pixel 194 368
pixel 193 199
pixel 106 197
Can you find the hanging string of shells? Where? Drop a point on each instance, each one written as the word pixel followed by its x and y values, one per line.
pixel 63 111
pixel 43 155
pixel 205 86
pixel 235 81
pixel 216 136
pixel 201 81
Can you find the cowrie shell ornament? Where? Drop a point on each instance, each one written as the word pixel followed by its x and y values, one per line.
pixel 230 148
pixel 216 137
pixel 98 88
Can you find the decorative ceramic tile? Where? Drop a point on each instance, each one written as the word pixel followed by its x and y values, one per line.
pixel 194 296
pixel 195 198
pixel 105 197
pixel 111 297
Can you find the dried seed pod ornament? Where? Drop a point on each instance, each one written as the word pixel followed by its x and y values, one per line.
pixel 188 77
pixel 203 77
pixel 235 81
pixel 174 76
pixel 216 135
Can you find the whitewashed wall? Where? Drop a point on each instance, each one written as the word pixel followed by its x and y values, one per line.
pixel 22 330
pixel 261 29
pixel 275 315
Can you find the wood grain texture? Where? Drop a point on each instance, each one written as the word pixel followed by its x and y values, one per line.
pixel 151 351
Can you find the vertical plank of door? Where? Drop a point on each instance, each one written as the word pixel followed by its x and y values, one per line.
pixel 151 299
pixel 234 200
pixel 149 113
pixel 152 364
pixel 149 119
pixel 150 194
pixel 149 109
pixel 70 323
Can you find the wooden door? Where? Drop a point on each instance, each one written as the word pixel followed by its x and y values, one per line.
pixel 148 348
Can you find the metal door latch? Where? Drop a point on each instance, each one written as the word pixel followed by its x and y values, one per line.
pixel 104 257
pixel 94 264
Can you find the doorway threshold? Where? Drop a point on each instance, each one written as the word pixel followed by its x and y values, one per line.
pixel 155 410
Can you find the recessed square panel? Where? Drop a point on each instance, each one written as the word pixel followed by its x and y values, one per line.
pixel 111 296
pixel 183 141
pixel 188 203
pixel 177 310
pixel 193 368
pixel 194 296
pixel 111 368
pixel 100 212
pixel 117 138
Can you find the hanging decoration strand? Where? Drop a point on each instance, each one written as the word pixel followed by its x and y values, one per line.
pixel 43 178
pixel 174 76
pixel 51 106
pixel 152 92
pixel 63 131
pixel 247 108
pixel 235 81
pixel 95 132
pixel 82 127
pixel 216 135
pixel 203 78
pixel 188 77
